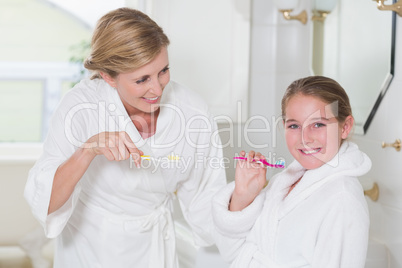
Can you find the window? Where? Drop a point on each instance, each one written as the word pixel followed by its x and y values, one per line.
pixel 35 67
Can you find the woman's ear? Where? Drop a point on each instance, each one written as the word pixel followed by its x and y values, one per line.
pixel 110 80
pixel 347 126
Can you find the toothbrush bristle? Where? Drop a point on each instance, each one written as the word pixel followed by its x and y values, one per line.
pixel 280 163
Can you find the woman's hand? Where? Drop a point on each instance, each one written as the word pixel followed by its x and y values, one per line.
pixel 250 179
pixel 115 146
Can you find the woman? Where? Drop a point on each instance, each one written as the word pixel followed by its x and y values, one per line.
pixel 107 206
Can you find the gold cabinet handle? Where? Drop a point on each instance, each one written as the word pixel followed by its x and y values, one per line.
pixel 396 145
pixel 373 193
pixel 397 7
pixel 302 17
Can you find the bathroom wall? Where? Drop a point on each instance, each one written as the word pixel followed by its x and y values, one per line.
pixel 386 213
pixel 280 53
pixel 214 60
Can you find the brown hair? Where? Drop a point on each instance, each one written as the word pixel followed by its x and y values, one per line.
pixel 124 40
pixel 324 88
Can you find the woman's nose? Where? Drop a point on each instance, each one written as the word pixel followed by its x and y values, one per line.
pixel 156 87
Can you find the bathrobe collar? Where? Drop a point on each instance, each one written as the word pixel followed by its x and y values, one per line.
pixel 349 161
pixel 123 123
pixel 164 121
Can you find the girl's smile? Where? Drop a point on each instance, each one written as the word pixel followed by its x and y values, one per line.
pixel 310 152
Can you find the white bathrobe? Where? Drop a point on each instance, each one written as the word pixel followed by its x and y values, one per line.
pixel 322 223
pixel 120 215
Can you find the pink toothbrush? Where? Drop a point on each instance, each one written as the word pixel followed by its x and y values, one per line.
pixel 278 164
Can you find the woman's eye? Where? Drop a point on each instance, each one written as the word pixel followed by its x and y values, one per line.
pixel 164 70
pixel 293 126
pixel 141 80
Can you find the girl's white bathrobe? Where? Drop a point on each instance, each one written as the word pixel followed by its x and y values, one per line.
pixel 120 215
pixel 322 223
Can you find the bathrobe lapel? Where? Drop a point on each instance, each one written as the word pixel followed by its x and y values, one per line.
pixel 316 178
pixel 276 192
pixel 166 116
pixel 154 175
pixel 160 221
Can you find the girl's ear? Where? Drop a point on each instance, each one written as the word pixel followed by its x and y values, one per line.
pixel 347 126
pixel 110 80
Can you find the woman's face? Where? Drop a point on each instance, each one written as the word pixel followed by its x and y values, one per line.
pixel 141 90
pixel 313 134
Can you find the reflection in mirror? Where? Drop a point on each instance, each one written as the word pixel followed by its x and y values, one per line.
pixel 355 46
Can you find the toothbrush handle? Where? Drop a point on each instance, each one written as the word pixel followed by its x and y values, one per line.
pixel 262 161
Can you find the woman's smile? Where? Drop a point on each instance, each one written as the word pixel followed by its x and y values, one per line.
pixel 151 100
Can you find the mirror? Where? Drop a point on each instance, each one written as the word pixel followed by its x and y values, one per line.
pixel 355 45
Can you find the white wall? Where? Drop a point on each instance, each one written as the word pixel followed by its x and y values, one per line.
pixel 209 49
pixel 280 54
pixel 386 213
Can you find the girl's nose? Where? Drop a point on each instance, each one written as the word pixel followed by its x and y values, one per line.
pixel 307 136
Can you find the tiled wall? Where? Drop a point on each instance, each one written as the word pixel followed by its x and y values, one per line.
pixel 280 53
pixel 386 213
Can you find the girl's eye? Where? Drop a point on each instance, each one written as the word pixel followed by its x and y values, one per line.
pixel 318 125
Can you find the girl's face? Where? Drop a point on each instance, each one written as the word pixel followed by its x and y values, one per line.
pixel 313 134
pixel 141 90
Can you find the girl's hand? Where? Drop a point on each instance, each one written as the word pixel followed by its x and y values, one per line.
pixel 250 179
pixel 115 146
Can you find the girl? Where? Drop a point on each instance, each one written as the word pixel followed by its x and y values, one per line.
pixel 313 214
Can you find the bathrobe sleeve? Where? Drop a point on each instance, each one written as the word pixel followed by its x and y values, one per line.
pixel 62 140
pixel 343 236
pixel 232 228
pixel 206 178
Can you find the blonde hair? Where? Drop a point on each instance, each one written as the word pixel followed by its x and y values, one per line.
pixel 324 88
pixel 124 40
